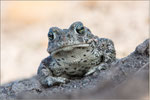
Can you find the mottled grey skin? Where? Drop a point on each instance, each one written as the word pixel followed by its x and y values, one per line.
pixel 74 52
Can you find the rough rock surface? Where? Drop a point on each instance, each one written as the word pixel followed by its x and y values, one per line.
pixel 126 78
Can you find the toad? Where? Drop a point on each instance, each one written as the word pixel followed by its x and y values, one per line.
pixel 74 52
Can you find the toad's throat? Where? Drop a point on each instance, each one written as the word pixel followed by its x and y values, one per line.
pixel 69 48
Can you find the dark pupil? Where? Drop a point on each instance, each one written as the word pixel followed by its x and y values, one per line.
pixel 80 30
pixel 51 36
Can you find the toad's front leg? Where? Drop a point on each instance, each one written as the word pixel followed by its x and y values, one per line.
pixel 102 66
pixel 108 54
pixel 45 75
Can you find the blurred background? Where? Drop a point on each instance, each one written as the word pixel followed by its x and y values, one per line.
pixel 25 24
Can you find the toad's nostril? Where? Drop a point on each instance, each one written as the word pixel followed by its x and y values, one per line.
pixel 68 35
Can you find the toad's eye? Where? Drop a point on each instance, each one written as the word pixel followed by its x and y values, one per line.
pixel 51 35
pixel 80 29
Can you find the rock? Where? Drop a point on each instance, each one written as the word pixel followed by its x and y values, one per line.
pixel 143 48
pixel 127 78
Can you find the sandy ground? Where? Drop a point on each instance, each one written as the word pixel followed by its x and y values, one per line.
pixel 24 28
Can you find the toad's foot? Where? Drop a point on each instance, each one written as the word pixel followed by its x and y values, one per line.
pixel 50 81
pixel 100 67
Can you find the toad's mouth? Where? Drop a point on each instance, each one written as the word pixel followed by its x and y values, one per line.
pixel 68 48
